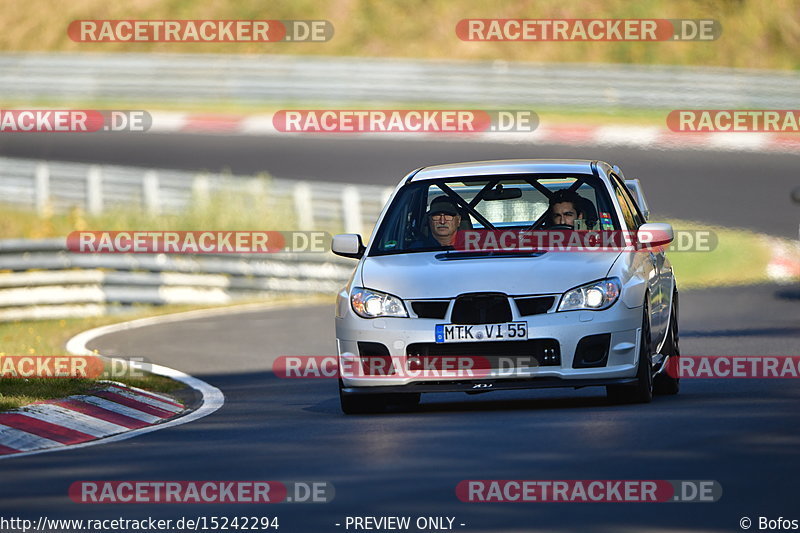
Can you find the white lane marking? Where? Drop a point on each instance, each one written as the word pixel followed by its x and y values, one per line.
pixel 55 414
pixel 145 399
pixel 24 441
pixel 627 135
pixel 784 261
pixel 165 121
pixel 739 140
pixel 118 408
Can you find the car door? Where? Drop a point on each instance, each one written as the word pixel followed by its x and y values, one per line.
pixel 650 262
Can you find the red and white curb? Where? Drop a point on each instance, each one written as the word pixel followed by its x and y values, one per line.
pixel 784 264
pixel 118 412
pixel 611 135
pixel 55 424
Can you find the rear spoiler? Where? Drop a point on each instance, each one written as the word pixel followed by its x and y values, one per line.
pixel 638 194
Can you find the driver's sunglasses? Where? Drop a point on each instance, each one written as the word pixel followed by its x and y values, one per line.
pixel 443 216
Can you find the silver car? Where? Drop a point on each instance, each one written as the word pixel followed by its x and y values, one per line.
pixel 521 317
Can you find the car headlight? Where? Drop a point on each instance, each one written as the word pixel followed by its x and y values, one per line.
pixel 372 304
pixel 593 296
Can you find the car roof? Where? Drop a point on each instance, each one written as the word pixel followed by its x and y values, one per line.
pixel 505 166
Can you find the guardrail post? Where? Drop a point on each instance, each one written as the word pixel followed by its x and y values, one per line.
pixel 94 190
pixel 303 206
pixel 257 188
pixel 41 192
pixel 201 194
pixel 150 192
pixel 351 210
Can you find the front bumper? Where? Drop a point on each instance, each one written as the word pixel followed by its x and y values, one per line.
pixel 622 324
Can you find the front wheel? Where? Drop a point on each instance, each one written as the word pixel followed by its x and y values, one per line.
pixel 359 404
pixel 664 383
pixel 642 390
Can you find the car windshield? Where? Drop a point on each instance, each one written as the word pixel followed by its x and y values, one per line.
pixel 424 212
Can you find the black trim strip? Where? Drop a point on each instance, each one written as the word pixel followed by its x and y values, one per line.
pixel 496 384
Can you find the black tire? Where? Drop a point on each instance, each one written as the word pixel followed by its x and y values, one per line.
pixel 360 404
pixel 406 402
pixel 664 383
pixel 642 390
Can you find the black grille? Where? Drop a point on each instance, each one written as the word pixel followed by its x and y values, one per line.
pixel 372 349
pixel 592 351
pixel 534 352
pixel 535 305
pixel 375 359
pixel 430 309
pixel 481 308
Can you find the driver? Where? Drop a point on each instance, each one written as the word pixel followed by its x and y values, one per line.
pixel 565 208
pixel 443 220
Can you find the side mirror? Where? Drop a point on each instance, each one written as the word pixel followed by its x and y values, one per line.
pixel 635 187
pixel 654 234
pixel 348 245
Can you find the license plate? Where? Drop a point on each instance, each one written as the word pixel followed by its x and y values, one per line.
pixel 509 331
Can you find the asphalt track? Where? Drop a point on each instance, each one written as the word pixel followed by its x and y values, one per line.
pixel 742 433
pixel 748 189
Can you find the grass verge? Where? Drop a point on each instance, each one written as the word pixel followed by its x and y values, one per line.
pixel 548 116
pixel 226 210
pixel 755 34
pixel 739 258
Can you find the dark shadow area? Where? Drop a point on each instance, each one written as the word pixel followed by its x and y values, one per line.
pixel 742 332
pixel 409 463
pixel 788 294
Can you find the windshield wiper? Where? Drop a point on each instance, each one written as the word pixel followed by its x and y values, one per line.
pixel 456 254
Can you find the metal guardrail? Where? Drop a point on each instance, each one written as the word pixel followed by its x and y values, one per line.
pixel 59 186
pixel 248 79
pixel 42 279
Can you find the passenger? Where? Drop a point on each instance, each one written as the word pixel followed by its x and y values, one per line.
pixel 565 208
